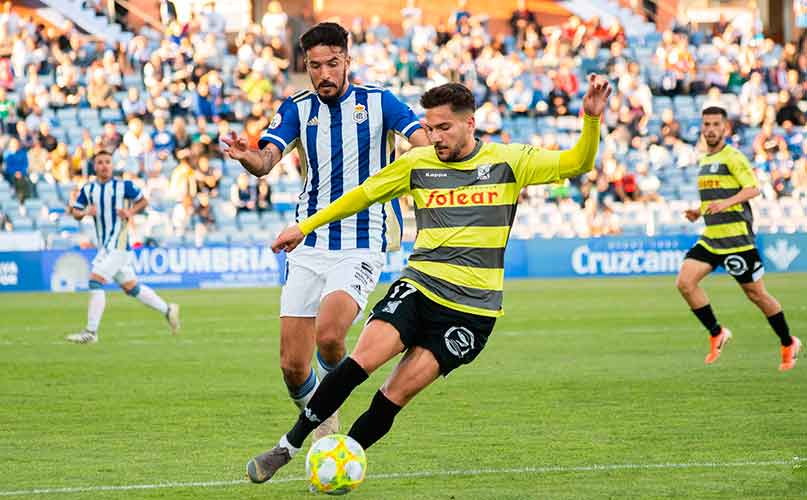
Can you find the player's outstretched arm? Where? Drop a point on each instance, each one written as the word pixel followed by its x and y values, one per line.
pixel 257 162
pixel 352 202
pixel 580 159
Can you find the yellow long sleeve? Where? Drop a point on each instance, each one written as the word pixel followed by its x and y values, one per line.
pixel 580 159
pixel 352 202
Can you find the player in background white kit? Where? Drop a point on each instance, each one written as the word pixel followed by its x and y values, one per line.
pixel 112 203
pixel 344 133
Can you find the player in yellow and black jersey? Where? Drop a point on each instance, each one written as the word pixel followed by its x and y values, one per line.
pixel 726 183
pixel 443 309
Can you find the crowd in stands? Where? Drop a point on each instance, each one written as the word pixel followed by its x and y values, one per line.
pixel 161 103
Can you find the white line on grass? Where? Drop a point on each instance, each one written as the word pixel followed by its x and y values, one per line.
pixel 413 474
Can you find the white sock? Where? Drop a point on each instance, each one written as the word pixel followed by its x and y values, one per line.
pixel 323 368
pixel 284 443
pixel 151 299
pixel 95 309
pixel 302 395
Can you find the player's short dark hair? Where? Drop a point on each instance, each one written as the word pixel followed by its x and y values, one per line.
pixel 101 152
pixel 457 95
pixel 328 34
pixel 714 110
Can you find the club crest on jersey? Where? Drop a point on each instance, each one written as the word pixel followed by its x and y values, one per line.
pixel 360 113
pixel 275 121
pixel 483 172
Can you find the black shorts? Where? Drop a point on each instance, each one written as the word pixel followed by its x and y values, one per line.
pixel 455 338
pixel 746 267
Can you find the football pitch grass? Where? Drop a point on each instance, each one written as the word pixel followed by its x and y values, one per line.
pixel 587 389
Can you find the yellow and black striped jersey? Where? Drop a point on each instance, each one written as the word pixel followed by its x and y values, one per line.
pixel 721 176
pixel 464 211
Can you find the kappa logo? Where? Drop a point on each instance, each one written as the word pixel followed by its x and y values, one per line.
pixel 311 416
pixel 483 172
pixel 276 121
pixel 360 113
pixel 459 341
pixel 714 167
pixel 357 288
pixel 313 122
pixel 391 306
pixel 735 265
pixel 782 254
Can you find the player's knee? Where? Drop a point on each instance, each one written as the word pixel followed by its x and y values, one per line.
pixel 132 291
pixel 330 337
pixel 685 286
pixel 294 371
pixel 756 295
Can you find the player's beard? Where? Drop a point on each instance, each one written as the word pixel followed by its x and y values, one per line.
pixel 334 98
pixel 714 143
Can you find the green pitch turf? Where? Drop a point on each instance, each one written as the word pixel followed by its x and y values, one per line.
pixel 588 389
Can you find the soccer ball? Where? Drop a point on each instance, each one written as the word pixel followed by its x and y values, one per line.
pixel 336 464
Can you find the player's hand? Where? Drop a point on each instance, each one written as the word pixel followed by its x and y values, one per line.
pixel 288 239
pixel 236 147
pixel 596 99
pixel 692 214
pixel 717 207
pixel 124 214
pixel 92 211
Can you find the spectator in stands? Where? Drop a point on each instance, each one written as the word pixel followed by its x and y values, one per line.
pixel 787 110
pixel 207 178
pixel 379 30
pixel 799 177
pixel 15 160
pixel 15 169
pixel 133 106
pixel 135 137
pixel 164 141
pixel 204 214
pixel 263 197
pixel 519 98
pixel 8 112
pixel 752 89
pixel 183 180
pixel 670 127
pixel 60 167
pixel 274 21
pixel 204 103
pixel 182 215
pixel 768 144
pixel 241 195
pixel 37 162
pixel 211 22
pixel 45 138
pixel 488 119
pixel 110 139
pixel 99 91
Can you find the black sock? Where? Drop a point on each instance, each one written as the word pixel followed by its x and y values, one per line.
pixel 375 422
pixel 708 320
pixel 779 325
pixel 329 396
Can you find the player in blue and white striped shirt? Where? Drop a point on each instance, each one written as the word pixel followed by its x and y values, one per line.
pixel 112 203
pixel 344 133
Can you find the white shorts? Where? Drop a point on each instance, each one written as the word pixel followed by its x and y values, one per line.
pixel 313 273
pixel 114 265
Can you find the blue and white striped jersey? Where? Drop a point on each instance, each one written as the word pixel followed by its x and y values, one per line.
pixel 340 146
pixel 108 197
